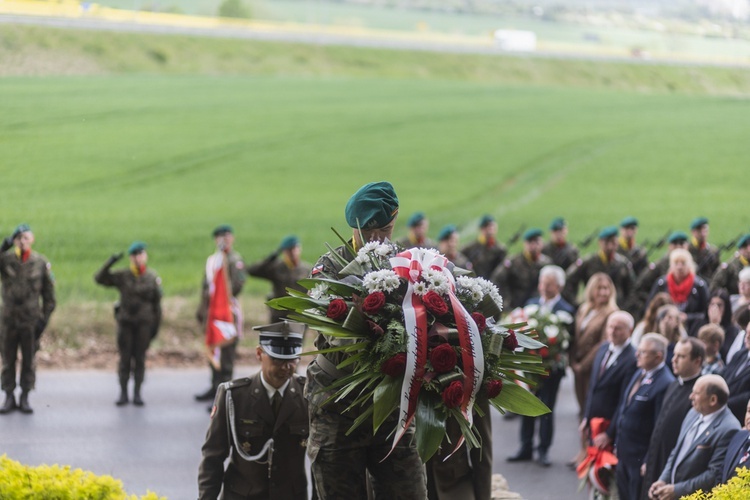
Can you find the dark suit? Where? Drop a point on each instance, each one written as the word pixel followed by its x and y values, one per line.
pixel 253 425
pixel 701 467
pixel 632 426
pixel 738 447
pixel 605 391
pixel 737 375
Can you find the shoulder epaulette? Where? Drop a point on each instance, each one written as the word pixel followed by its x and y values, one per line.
pixel 240 382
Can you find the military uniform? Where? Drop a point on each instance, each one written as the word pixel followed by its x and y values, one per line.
pixel 636 254
pixel 706 259
pixel 138 315
pixel 242 422
pixel 642 289
pixel 28 301
pixel 409 242
pixel 619 269
pixel 282 274
pixel 485 256
pixel 563 255
pixel 727 276
pixel 518 278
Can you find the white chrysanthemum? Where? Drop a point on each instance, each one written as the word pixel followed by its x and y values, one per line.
pixel 497 298
pixel 531 309
pixel 384 280
pixel 383 250
pixel 565 317
pixel 420 288
pixel 319 291
pixel 532 323
pixel 551 331
pixel 476 295
pixel 362 258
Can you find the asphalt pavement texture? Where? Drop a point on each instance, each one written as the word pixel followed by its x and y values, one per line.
pixel 157 447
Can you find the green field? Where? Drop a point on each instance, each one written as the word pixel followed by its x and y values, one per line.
pixel 93 162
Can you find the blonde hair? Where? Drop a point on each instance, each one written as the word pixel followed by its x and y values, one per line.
pixel 591 285
pixel 711 333
pixel 681 254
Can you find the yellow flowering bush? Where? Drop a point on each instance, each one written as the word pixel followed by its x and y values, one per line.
pixel 737 488
pixel 53 482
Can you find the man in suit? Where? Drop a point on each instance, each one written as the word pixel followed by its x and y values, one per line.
pixel 737 375
pixel 551 282
pixel 697 458
pixel 738 451
pixel 686 365
pixel 636 413
pixel 261 424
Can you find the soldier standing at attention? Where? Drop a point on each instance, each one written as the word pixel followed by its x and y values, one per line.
pixel 138 315
pixel 283 272
pixel 341 462
pixel 562 253
pixel 705 255
pixel 607 261
pixel 222 365
pixel 260 423
pixel 518 278
pixel 418 224
pixel 28 292
pixel 486 253
pixel 727 276
pixel 448 246
pixel 628 248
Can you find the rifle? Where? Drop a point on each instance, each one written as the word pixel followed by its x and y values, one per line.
pixel 588 239
pixel 650 247
pixel 517 235
pixel 730 244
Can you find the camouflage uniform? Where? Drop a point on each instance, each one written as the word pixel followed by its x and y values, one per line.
pixel 706 259
pixel 619 269
pixel 637 256
pixel 518 278
pixel 24 286
pixel 563 256
pixel 138 315
pixel 245 431
pixel 339 461
pixel 485 257
pixel 237 275
pixel 727 276
pixel 282 275
pixel 408 242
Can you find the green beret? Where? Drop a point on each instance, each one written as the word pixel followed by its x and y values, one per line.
pixel 222 230
pixel 629 222
pixel 698 222
pixel 608 232
pixel 677 237
pixel 373 206
pixel 289 242
pixel 447 232
pixel 136 247
pixel 557 224
pixel 416 219
pixel 532 233
pixel 486 220
pixel 744 241
pixel 22 228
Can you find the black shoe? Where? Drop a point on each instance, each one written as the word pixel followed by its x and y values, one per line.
pixel 10 403
pixel 23 403
pixel 543 459
pixel 137 399
pixel 206 396
pixel 123 399
pixel 521 456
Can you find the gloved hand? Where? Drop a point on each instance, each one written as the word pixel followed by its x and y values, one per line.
pixel 41 324
pixel 115 257
pixel 6 244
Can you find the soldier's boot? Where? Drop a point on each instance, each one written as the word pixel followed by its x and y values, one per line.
pixel 137 400
pixel 123 399
pixel 23 403
pixel 10 403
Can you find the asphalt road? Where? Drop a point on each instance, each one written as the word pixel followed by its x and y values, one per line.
pixel 158 446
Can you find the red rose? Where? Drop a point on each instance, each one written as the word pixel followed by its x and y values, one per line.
pixel 544 352
pixel 443 358
pixel 435 303
pixel 511 342
pixel 480 320
pixel 493 388
pixel 375 328
pixel 337 309
pixel 453 394
pixel 374 302
pixel 552 340
pixel 394 366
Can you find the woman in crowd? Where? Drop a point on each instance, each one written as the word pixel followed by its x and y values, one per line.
pixel 648 323
pixel 669 325
pixel 720 313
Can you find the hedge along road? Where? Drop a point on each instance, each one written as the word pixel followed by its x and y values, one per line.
pixel 158 447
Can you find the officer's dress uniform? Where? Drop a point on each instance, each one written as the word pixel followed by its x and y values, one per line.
pixel 242 422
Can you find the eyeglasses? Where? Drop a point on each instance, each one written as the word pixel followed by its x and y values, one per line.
pixel 638 352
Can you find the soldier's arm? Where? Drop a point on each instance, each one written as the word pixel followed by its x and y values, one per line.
pixel 157 307
pixel 6 244
pixel 104 275
pixel 202 311
pixel 48 293
pixel 720 278
pixel 572 279
pixel 264 268
pixel 237 275
pixel 215 450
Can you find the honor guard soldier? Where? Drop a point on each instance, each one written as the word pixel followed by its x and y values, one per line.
pixel 448 246
pixel 28 293
pixel 628 248
pixel 562 253
pixel 518 278
pixel 261 424
pixel 486 253
pixel 607 261
pixel 138 315
pixel 418 224
pixel 705 255
pixel 283 268
pixel 341 461
pixel 727 276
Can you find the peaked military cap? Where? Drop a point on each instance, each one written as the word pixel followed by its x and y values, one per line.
pixel 629 222
pixel 21 228
pixel 744 241
pixel 486 220
pixel 698 222
pixel 532 233
pixel 446 232
pixel 373 206
pixel 222 230
pixel 136 247
pixel 416 219
pixel 289 242
pixel 608 232
pixel 282 340
pixel 677 237
pixel 557 224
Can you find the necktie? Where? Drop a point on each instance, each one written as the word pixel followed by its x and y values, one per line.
pixel 744 456
pixel 603 367
pixel 686 443
pixel 636 386
pixel 276 403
